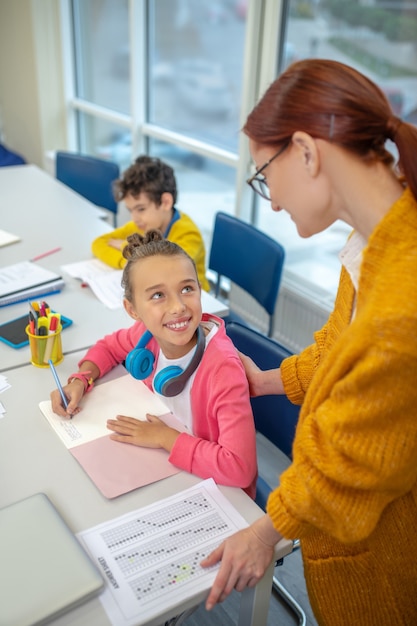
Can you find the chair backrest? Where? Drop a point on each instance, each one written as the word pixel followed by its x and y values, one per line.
pixel 90 177
pixel 9 157
pixel 275 416
pixel 248 257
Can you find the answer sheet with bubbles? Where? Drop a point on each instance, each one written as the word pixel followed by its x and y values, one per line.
pixel 150 558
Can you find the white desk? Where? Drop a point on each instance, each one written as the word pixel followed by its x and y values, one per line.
pixel 33 459
pixel 46 214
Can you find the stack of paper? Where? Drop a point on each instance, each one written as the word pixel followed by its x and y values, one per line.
pixel 26 280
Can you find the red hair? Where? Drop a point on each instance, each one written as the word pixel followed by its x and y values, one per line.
pixel 332 101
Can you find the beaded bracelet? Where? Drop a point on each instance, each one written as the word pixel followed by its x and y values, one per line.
pixel 85 377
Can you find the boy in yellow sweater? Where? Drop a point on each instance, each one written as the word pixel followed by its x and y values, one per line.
pixel 149 191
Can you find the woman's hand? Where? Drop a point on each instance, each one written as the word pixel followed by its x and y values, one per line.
pixel 245 557
pixel 252 372
pixel 152 433
pixel 261 382
pixel 73 392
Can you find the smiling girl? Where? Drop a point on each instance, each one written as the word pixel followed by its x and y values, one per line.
pixel 192 365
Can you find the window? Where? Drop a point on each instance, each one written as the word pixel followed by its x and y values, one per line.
pixel 101 53
pixel 194 83
pixel 154 77
pixel 167 77
pixel 376 38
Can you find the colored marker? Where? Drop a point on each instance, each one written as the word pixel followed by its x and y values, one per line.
pixel 44 254
pixel 32 326
pixel 53 327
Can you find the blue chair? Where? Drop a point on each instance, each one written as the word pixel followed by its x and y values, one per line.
pixel 250 259
pixel 275 417
pixel 9 157
pixel 90 177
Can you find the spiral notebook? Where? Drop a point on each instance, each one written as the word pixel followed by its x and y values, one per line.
pixel 44 571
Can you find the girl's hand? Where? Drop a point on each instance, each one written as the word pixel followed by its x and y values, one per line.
pixel 73 392
pixel 245 557
pixel 150 434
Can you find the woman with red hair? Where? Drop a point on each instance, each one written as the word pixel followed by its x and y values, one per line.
pixel 318 138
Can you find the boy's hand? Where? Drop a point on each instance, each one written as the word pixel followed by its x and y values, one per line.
pixel 118 244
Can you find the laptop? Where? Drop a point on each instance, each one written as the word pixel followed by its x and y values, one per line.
pixel 44 569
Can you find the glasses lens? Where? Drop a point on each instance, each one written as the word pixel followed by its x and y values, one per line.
pixel 260 186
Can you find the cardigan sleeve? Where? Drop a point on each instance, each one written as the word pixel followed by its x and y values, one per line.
pixel 298 370
pixel 355 449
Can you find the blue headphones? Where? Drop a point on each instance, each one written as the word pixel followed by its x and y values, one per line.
pixel 171 380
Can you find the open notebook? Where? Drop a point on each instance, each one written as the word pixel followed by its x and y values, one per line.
pixel 44 569
pixel 115 468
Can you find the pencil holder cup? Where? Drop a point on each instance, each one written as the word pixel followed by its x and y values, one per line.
pixel 45 347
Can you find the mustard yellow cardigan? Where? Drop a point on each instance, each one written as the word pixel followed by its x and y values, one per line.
pixel 350 494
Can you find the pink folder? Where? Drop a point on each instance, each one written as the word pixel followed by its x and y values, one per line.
pixel 114 467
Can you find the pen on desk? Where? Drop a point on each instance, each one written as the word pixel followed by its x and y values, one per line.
pixel 41 256
pixel 58 384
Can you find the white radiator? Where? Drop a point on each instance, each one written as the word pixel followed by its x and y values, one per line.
pixel 297 315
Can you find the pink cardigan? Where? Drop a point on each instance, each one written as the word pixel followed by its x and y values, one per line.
pixel 223 445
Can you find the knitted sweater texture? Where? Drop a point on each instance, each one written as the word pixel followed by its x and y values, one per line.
pixel 350 494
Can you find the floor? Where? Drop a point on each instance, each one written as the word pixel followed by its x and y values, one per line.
pixel 290 574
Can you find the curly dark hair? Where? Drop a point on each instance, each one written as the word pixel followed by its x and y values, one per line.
pixel 146 175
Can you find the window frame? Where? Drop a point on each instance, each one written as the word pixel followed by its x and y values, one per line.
pixel 263 24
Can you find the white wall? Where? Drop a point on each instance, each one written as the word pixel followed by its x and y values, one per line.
pixel 32 113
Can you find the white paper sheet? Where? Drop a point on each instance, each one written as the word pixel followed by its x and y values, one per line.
pixel 7 238
pixel 122 396
pixel 108 289
pixel 114 467
pixel 87 270
pixel 151 557
pixel 104 281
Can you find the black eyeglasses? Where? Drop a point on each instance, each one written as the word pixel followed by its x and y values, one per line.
pixel 257 182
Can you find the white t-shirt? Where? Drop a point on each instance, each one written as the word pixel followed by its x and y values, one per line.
pixel 180 405
pixel 351 258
